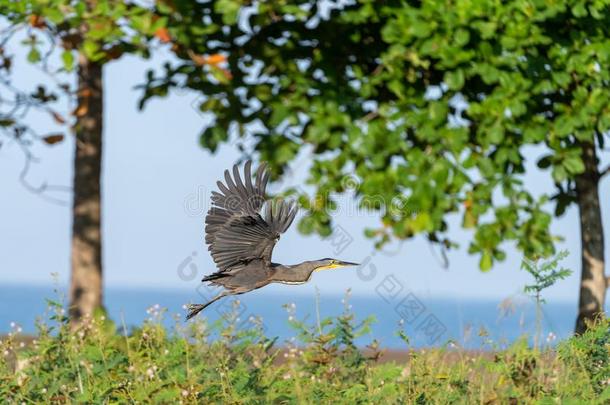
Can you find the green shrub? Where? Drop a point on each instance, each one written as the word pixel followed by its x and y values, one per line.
pixel 590 352
pixel 199 362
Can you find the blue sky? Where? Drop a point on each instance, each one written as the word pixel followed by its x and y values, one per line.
pixel 156 184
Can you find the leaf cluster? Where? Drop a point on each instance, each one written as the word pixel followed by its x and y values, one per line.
pixel 419 101
pixel 545 273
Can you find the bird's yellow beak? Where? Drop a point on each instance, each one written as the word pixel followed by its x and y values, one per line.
pixel 336 265
pixel 329 267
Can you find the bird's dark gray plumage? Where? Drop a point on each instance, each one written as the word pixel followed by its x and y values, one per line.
pixel 241 240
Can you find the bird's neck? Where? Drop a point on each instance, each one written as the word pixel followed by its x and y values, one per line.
pixel 293 274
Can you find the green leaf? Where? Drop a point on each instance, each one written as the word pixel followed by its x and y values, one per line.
pixel 455 79
pixel 53 14
pixel 469 220
pixel 280 112
pixel 90 49
pixel 574 164
pixel 461 37
pixel 229 9
pixel 421 222
pixel 579 10
pixel 486 261
pixel 496 133
pixel 33 55
pixel 212 137
pixel 559 174
pixel 68 58
pixel 545 162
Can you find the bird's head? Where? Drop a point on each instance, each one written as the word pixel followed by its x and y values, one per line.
pixel 328 264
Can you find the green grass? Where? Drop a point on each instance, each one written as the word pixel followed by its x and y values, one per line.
pixel 202 363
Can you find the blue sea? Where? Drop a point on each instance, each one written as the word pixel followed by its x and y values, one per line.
pixel 474 324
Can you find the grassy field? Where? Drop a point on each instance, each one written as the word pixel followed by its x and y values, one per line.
pixel 202 363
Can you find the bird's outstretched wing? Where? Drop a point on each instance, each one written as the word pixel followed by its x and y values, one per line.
pixel 235 231
pixel 235 198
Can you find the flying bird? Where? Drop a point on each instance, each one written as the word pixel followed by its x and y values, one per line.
pixel 242 228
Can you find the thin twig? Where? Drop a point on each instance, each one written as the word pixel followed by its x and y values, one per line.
pixel 443 261
pixel 318 311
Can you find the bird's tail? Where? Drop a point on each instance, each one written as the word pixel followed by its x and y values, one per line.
pixel 214 276
pixel 194 309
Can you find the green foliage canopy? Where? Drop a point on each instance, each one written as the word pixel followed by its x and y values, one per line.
pixel 428 103
pixel 100 30
pixel 56 34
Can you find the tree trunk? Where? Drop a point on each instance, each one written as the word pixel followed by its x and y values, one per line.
pixel 593 280
pixel 86 283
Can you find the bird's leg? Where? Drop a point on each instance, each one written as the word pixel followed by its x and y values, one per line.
pixel 194 309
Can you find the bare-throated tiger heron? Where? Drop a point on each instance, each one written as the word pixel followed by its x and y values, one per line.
pixel 242 228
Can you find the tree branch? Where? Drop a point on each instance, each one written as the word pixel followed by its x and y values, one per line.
pixel 604 172
pixel 20 103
